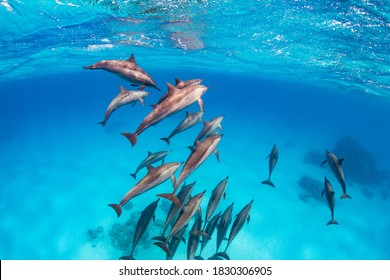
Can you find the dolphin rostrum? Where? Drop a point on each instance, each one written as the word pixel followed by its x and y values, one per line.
pixel 335 165
pixel 123 98
pixel 215 198
pixel 177 100
pixel 155 177
pixel 223 224
pixel 329 193
pixel 150 159
pixel 188 211
pixel 127 70
pixel 196 158
pixel 146 216
pixel 189 121
pixel 273 159
pixel 238 223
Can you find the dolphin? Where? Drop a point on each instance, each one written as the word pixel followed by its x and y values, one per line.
pixel 188 211
pixel 209 128
pixel 238 223
pixel 146 216
pixel 196 158
pixel 179 84
pixel 215 198
pixel 210 228
pixel 155 177
pixel 194 238
pixel 123 98
pixel 335 165
pixel 175 242
pixel 177 100
pixel 174 210
pixel 127 70
pixel 189 121
pixel 223 224
pixel 273 159
pixel 150 159
pixel 329 193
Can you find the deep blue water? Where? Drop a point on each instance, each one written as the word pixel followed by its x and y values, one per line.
pixel 60 169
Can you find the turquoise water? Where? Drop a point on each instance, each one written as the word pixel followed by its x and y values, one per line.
pixel 306 76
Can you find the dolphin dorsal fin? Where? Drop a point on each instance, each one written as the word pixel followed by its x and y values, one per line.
pixel 198 143
pixel 149 153
pixel 188 114
pixel 172 89
pixel 132 59
pixel 341 160
pixel 178 81
pixel 150 168
pixel 122 89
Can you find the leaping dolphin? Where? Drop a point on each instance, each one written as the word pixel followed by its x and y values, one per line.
pixel 177 100
pixel 273 159
pixel 155 177
pixel 127 70
pixel 329 193
pixel 143 222
pixel 335 165
pixel 125 97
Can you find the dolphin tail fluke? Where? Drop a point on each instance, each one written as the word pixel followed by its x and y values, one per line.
pixel 164 246
pixel 117 208
pixel 132 137
pixel 345 195
pixel 134 175
pixel 198 258
pixel 172 197
pixel 103 123
pixel 166 139
pixel 223 255
pixel 127 258
pixel 268 182
pixel 332 222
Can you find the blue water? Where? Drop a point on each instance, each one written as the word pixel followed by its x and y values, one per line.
pixel 304 75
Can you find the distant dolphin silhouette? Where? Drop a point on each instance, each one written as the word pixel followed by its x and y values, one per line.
pixel 273 159
pixel 329 193
pixel 127 70
pixel 335 165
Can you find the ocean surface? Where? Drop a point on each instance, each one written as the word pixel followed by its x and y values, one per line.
pixel 303 75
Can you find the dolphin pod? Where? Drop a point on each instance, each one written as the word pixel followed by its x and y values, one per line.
pixel 185 208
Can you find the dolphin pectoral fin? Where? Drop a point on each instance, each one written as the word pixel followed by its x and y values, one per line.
pixel 324 162
pixel 201 105
pixel 216 154
pixel 332 222
pixel 172 197
pixel 117 208
pixel 268 182
pixel 141 87
pixel 132 137
pixel 141 100
pixel 127 258
pixel 157 88
pixel 220 126
pixel 341 160
pixel 345 195
pixel 164 247
pixel 173 181
pixel 132 105
pixel 166 139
